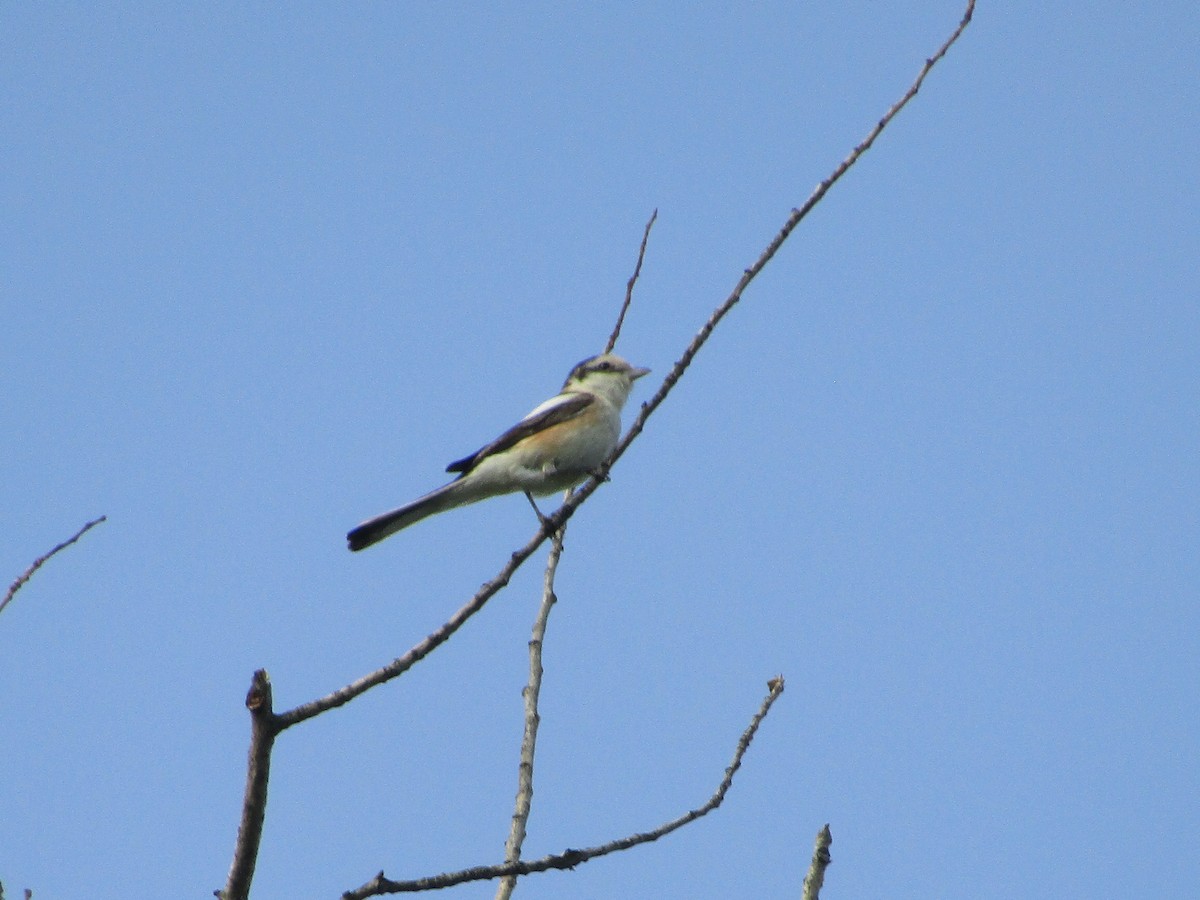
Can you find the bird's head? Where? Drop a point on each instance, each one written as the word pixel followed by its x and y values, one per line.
pixel 607 375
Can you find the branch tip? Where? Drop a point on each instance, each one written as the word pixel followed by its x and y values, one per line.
pixel 820 862
pixel 41 560
pixel 637 271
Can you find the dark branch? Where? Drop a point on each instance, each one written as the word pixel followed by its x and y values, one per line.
pixel 40 561
pixel 637 270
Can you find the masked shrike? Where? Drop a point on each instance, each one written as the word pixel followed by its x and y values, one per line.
pixel 554 448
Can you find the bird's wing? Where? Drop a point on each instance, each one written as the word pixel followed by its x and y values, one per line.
pixel 555 410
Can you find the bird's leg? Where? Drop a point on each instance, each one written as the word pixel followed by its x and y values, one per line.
pixel 546 523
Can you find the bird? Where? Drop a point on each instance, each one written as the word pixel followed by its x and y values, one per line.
pixel 554 448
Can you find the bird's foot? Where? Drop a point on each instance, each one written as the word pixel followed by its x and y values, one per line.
pixel 547 525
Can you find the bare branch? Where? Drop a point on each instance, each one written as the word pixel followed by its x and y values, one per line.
pixel 524 802
pixel 569 859
pixel 637 270
pixel 40 561
pixel 264 727
pixel 271 725
pixel 816 869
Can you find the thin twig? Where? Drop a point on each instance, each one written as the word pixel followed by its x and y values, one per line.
pixel 264 728
pixel 569 859
pixel 37 563
pixel 820 862
pixel 524 801
pixel 637 270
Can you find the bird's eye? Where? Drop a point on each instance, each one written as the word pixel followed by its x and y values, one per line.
pixel 604 366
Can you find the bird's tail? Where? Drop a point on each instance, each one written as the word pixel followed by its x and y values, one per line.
pixel 375 530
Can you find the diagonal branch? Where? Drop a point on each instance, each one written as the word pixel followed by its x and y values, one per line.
pixel 402 664
pixel 569 859
pixel 771 249
pixel 41 560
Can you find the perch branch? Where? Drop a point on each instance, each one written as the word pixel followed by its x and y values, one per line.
pixel 771 249
pixel 402 664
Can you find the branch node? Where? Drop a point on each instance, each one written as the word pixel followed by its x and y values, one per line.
pixel 258 698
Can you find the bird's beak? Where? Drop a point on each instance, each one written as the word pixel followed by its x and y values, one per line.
pixel 637 372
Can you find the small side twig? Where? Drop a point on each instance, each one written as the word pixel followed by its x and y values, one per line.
pixel 637 271
pixel 41 560
pixel 524 801
pixel 569 859
pixel 820 862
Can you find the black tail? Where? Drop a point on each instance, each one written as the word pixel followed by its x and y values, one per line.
pixel 375 530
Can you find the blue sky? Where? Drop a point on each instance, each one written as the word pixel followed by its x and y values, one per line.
pixel 267 269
